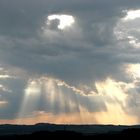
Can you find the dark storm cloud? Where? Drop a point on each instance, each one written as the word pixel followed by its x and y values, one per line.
pixel 22 21
pixel 87 53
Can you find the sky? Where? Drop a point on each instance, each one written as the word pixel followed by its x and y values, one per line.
pixel 70 62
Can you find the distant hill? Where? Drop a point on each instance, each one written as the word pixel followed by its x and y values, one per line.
pixel 9 131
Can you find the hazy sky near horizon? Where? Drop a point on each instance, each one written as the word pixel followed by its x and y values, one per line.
pixel 74 61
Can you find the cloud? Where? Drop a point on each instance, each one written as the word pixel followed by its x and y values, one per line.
pixel 4 89
pixel 56 97
pixel 4 76
pixel 2 103
pixel 70 49
pixel 88 66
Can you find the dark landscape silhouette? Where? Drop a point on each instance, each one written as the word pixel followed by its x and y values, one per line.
pixel 67 131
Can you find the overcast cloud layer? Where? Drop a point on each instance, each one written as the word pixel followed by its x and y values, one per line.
pixel 92 66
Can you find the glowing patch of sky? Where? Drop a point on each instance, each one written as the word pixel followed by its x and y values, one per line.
pixel 64 20
pixel 132 14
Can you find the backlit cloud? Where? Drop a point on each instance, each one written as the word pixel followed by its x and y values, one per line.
pixel 64 20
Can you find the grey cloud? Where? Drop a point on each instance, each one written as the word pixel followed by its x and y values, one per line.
pixel 88 53
pixel 132 104
pixel 13 96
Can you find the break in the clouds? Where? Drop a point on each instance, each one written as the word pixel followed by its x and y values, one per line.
pixel 69 61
